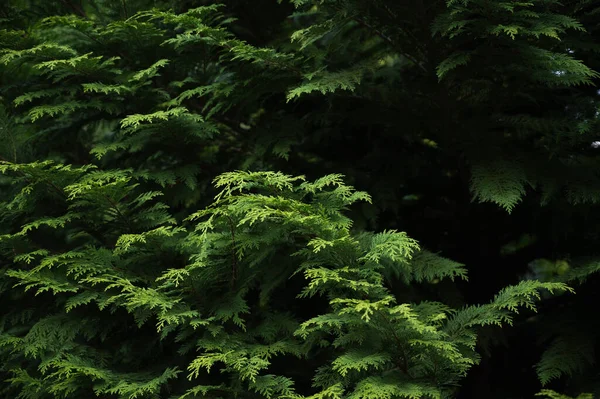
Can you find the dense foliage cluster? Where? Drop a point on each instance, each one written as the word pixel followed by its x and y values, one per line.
pixel 178 217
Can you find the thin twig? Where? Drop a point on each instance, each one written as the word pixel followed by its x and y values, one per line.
pixel 124 3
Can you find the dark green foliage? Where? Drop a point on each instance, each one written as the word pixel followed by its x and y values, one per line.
pixel 135 264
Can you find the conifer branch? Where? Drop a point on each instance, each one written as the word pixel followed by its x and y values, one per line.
pixel 415 41
pixel 403 366
pixel 54 187
pixel 115 206
pixel 76 8
pixel 387 39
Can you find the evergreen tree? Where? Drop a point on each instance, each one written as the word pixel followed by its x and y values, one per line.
pixel 134 263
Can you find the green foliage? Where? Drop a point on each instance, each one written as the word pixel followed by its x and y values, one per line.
pixel 149 247
pixel 259 218
pixel 549 394
pixel 502 183
pixel 329 82
pixel 565 356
